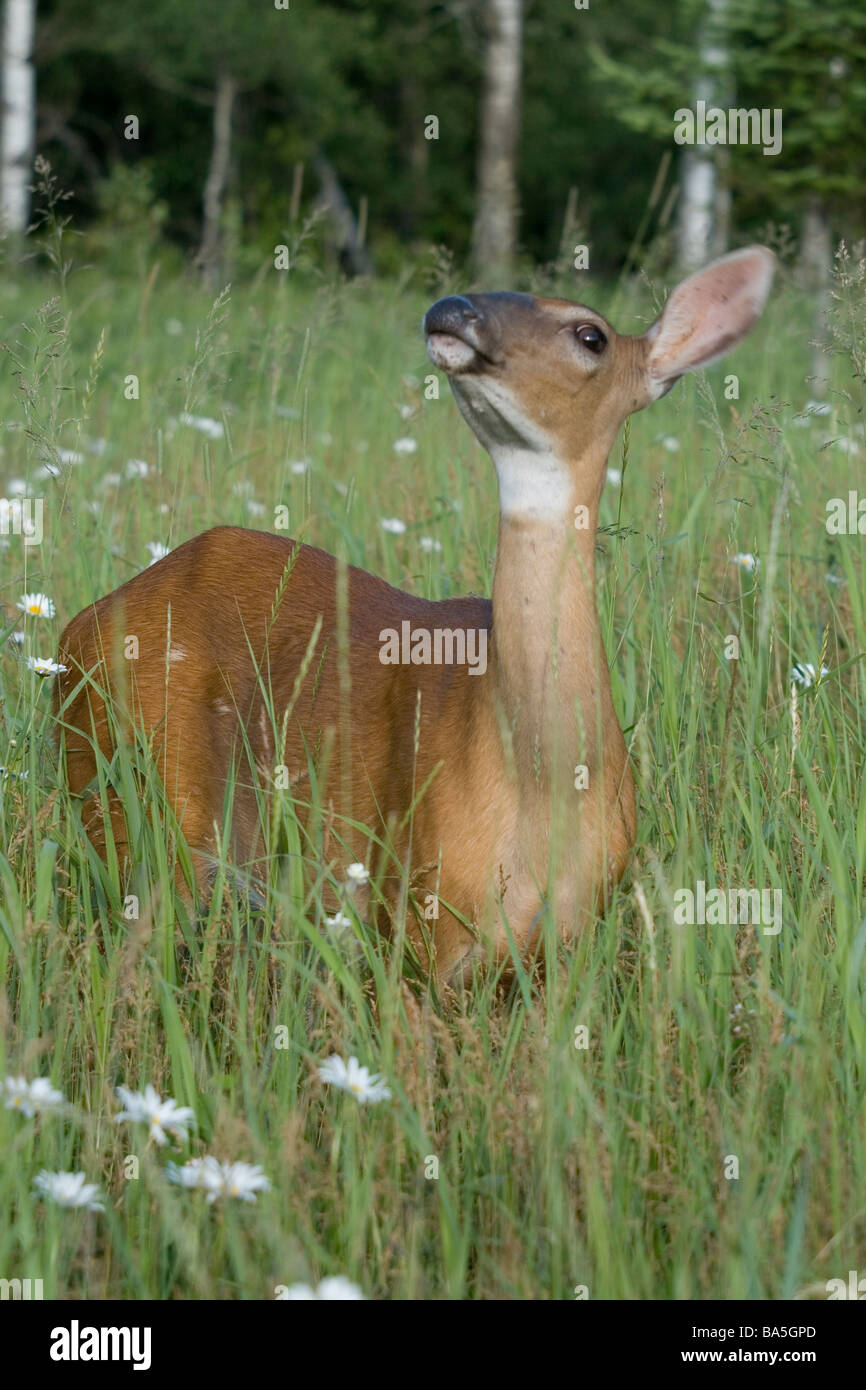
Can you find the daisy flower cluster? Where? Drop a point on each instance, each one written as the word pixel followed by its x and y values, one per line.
pixel 37 605
pixel 164 1120
pixel 341 924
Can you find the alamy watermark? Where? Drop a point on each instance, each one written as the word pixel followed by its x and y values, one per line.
pixel 437 646
pixel 731 907
pixel 22 516
pixel 21 1289
pixel 712 125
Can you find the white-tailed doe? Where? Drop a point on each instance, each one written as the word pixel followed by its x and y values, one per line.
pixel 466 776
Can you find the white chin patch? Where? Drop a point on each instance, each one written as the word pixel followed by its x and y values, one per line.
pixel 450 354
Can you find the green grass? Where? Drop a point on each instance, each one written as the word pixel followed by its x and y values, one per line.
pixel 559 1166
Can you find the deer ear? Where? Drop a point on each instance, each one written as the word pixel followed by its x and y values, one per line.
pixel 708 314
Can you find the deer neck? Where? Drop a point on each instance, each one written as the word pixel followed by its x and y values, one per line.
pixel 549 671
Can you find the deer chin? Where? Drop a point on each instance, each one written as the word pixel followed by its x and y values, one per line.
pixel 451 354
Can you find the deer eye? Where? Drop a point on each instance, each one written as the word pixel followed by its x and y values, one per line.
pixel 591 337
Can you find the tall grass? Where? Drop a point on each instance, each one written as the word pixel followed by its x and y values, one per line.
pixel 708 1140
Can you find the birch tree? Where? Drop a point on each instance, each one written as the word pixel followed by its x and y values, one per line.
pixel 18 121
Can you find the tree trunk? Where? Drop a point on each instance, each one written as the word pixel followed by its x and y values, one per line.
pixel 350 247
pixel 816 264
pixel 19 115
pixel 495 231
pixel 704 200
pixel 210 256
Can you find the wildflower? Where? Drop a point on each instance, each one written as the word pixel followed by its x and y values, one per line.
pixel 357 875
pixel 336 1288
pixel 241 1180
pixel 339 924
pixel 393 525
pixel 163 1117
pixel 37 605
pixel 746 561
pixel 670 442
pixel 846 446
pixel 255 508
pixel 70 456
pixel 809 411
pixel 614 476
pixel 68 1190
pixel 351 1076
pixel 214 429
pixel 299 466
pixel 405 446
pixel 803 674
pixel 44 666
pixel 136 468
pixel 157 551
pixel 31 1097
pixel 430 545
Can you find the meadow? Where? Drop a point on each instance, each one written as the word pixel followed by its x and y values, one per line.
pixel 679 1112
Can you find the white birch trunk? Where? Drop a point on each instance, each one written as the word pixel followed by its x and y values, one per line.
pixel 18 122
pixel 703 213
pixel 210 254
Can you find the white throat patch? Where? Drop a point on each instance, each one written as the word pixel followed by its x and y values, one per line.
pixel 533 481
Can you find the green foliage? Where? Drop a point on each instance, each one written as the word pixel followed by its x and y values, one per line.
pixel 356 80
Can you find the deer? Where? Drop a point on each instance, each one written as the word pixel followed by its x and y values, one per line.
pixel 255 651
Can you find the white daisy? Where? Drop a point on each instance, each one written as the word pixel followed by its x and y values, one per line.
pixel 339 924
pixel 241 1180
pixel 37 605
pixel 299 466
pixel 351 1076
pixel 31 1097
pixel 214 429
pixel 136 468
pixel 157 551
pixel 338 1288
pixel 357 875
pixel 803 673
pixel 393 525
pixel 614 476
pixel 430 546
pixel 68 1190
pixel 44 666
pixel 746 561
pixel 405 446
pixel 164 1117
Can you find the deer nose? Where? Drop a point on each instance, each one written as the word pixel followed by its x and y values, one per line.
pixel 453 314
